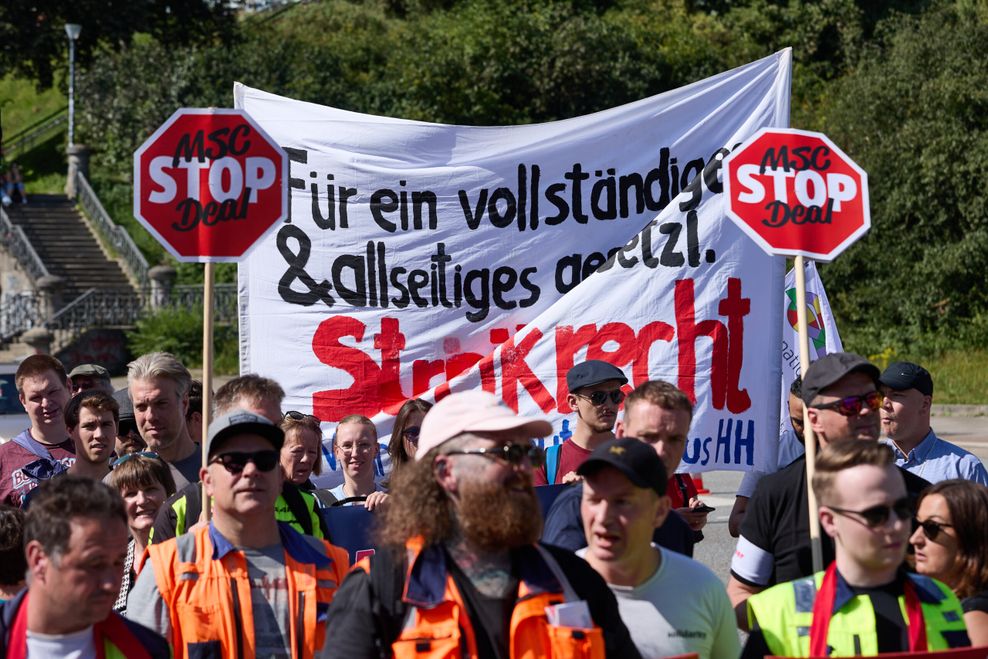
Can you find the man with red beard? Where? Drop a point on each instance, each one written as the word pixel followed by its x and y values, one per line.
pixel 460 568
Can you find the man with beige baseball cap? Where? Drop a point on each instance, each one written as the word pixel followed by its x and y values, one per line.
pixel 459 564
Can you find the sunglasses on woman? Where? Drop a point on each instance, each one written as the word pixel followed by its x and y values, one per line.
pixel 852 405
pixel 130 456
pixel 932 529
pixel 879 515
pixel 236 461
pixel 412 434
pixel 301 416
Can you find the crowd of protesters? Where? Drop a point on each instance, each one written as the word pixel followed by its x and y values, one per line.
pixel 127 532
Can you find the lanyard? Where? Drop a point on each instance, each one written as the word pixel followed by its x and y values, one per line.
pixel 823 607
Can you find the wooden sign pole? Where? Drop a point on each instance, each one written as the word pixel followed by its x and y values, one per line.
pixel 207 371
pixel 808 439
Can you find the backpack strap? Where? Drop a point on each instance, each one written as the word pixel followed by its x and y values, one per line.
pixel 552 462
pixel 296 504
pixel 386 584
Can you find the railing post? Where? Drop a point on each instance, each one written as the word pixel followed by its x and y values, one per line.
pixel 162 280
pixel 39 339
pixel 50 287
pixel 78 163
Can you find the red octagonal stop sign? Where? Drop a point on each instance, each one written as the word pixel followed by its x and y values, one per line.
pixel 209 183
pixel 796 193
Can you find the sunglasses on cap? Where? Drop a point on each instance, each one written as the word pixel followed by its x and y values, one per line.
pixel 301 416
pixel 932 529
pixel 600 397
pixel 236 461
pixel 136 454
pixel 879 515
pixel 512 453
pixel 852 405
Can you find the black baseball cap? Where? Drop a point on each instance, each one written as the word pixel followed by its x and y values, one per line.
pixel 907 375
pixel 633 458
pixel 591 372
pixel 122 396
pixel 242 422
pixel 830 368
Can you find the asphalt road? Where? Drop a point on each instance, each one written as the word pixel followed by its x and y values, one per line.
pixel 969 432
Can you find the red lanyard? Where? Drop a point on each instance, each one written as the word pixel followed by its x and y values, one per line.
pixel 823 607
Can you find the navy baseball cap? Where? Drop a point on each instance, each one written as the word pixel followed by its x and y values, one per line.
pixel 907 375
pixel 591 372
pixel 830 368
pixel 633 458
pixel 122 396
pixel 242 422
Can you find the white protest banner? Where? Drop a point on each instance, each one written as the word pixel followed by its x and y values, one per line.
pixel 423 258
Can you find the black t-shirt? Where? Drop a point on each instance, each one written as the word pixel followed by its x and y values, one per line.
pixel 977 602
pixel 493 614
pixel 778 522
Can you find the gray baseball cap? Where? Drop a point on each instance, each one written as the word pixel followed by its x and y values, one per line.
pixel 242 422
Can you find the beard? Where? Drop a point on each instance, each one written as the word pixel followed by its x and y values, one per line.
pixel 498 516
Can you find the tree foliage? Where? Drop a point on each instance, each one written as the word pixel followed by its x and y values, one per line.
pixel 900 85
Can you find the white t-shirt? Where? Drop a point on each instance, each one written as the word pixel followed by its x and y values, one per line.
pixel 77 645
pixel 682 608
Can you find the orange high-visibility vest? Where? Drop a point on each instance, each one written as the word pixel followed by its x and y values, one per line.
pixel 438 625
pixel 204 582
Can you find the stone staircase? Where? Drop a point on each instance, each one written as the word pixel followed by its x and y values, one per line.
pixel 67 246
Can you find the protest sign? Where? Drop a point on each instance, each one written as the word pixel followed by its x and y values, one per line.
pixel 423 258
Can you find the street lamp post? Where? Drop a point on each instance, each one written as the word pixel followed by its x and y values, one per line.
pixel 72 30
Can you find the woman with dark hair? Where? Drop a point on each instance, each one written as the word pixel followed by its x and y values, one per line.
pixel 405 434
pixel 951 545
pixel 144 481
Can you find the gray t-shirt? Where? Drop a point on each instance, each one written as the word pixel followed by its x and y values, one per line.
pixel 682 608
pixel 269 601
pixel 186 470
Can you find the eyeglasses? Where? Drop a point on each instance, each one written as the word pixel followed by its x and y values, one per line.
pixel 235 461
pixel 600 397
pixel 852 405
pixel 361 447
pixel 412 434
pixel 124 458
pixel 301 416
pixel 932 529
pixel 879 515
pixel 513 453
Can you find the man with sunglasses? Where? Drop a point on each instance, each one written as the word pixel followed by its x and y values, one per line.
pixel 856 606
pixel 840 391
pixel 261 396
pixel 905 413
pixel 459 569
pixel 128 438
pixel 595 395
pixel 272 582
pixel 90 376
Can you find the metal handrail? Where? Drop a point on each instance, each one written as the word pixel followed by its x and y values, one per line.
pixel 14 238
pixel 114 234
pixel 29 136
pixel 19 312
